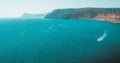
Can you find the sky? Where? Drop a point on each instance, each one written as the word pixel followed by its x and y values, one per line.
pixel 15 8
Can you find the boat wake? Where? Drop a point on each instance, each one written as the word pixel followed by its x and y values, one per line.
pixel 102 37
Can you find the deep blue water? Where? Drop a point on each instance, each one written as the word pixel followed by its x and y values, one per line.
pixel 34 40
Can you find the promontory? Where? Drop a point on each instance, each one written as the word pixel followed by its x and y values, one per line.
pixel 101 14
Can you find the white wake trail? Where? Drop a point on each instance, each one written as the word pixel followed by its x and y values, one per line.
pixel 103 36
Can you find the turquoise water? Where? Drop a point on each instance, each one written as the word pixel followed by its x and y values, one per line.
pixel 34 40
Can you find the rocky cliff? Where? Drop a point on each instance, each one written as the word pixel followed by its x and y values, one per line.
pixel 103 14
pixel 111 17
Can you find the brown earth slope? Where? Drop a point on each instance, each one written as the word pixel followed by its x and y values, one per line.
pixel 111 17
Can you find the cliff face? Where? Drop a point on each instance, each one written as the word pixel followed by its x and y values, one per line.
pixel 109 14
pixel 111 17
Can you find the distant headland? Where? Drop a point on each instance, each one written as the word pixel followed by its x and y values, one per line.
pixel 29 15
pixel 102 14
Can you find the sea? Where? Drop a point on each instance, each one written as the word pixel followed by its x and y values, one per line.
pixel 36 40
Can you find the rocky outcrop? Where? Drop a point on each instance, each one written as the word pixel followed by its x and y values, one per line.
pixel 107 14
pixel 111 17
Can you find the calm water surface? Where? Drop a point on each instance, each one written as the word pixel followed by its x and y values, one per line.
pixel 34 40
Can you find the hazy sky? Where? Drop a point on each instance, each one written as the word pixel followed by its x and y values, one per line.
pixel 15 8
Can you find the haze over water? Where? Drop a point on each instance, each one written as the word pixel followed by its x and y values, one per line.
pixel 15 8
